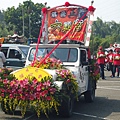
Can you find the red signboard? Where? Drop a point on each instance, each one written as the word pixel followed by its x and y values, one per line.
pixel 61 20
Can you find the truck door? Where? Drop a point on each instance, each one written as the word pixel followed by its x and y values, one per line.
pixel 83 68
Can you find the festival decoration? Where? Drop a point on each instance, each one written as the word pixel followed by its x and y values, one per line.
pixel 94 70
pixel 42 94
pixel 67 4
pixel 44 10
pixel 91 9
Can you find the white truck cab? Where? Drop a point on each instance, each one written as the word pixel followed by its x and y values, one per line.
pixel 74 58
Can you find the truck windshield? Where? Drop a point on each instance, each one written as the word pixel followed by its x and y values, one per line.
pixel 63 54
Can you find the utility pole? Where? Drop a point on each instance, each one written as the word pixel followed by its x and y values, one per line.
pixel 23 20
pixel 29 26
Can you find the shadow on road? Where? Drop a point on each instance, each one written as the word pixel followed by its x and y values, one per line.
pixel 101 108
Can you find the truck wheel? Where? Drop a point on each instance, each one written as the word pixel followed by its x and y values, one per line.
pixel 7 109
pixel 66 107
pixel 89 95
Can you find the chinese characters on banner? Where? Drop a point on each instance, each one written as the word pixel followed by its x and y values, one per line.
pixel 61 20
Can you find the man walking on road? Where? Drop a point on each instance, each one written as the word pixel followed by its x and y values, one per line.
pixel 101 61
pixel 110 61
pixel 116 63
pixel 2 58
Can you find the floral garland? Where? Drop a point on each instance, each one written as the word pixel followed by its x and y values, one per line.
pixel 42 95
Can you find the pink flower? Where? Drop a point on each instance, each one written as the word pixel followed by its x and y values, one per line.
pixel 38 88
pixel 12 83
pixel 2 90
pixel 31 88
pixel 45 92
pixel 5 81
pixel 63 76
pixel 68 81
pixel 47 83
pixel 2 94
pixel 22 97
pixel 48 98
pixel 20 91
pixel 31 97
pixel 37 95
pixel 11 96
pixel 52 90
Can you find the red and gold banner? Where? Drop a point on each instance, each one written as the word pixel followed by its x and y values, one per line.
pixel 61 20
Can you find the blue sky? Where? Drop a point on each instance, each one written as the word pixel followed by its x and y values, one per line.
pixel 107 10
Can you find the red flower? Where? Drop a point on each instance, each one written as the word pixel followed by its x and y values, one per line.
pixel 5 75
pixel 48 98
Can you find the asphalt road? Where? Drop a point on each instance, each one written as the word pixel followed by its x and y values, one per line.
pixel 105 107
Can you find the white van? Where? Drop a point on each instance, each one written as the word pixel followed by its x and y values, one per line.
pixel 15 55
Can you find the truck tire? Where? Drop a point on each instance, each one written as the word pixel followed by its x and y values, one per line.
pixel 89 95
pixel 66 108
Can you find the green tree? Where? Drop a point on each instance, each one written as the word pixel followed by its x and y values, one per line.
pixel 27 15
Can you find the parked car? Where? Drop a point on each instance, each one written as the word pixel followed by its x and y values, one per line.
pixel 15 55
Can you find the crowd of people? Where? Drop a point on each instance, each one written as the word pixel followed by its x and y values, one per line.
pixel 112 59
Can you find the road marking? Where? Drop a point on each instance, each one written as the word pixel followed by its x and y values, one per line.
pixel 29 117
pixel 108 81
pixel 92 116
pixel 111 86
pixel 107 88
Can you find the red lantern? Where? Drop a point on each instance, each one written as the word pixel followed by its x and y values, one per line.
pixel 91 9
pixel 67 4
pixel 44 10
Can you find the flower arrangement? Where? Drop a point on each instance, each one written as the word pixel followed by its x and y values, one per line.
pixel 48 63
pixel 5 73
pixel 43 95
pixel 94 70
pixel 69 79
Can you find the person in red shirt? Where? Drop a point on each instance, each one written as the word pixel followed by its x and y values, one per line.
pixel 110 61
pixel 101 61
pixel 116 63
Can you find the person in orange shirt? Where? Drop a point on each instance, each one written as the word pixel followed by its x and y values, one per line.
pixel 110 61
pixel 101 61
pixel 116 63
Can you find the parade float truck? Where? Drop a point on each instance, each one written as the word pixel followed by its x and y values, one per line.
pixel 58 71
